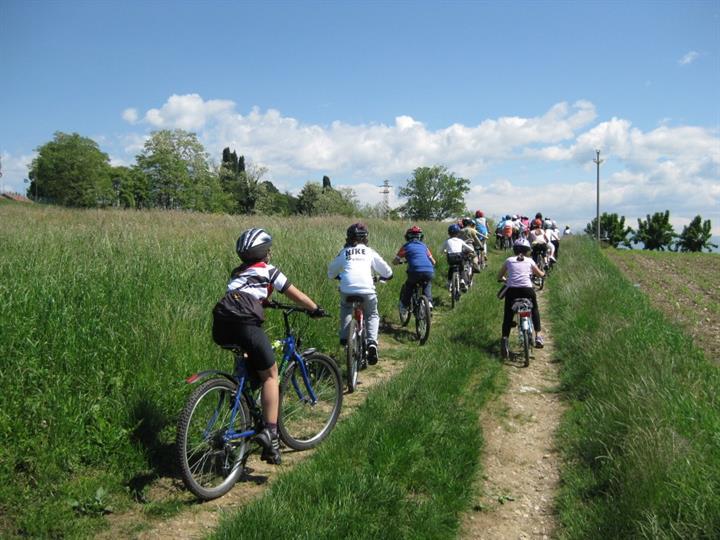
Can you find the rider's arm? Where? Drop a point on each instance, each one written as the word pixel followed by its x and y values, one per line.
pixel 381 267
pixel 432 259
pixel 300 298
pixel 502 272
pixel 399 256
pixel 336 266
pixel 537 271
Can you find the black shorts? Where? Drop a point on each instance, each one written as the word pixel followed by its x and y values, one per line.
pixel 251 338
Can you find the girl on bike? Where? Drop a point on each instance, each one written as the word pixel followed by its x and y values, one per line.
pixel 456 249
pixel 516 273
pixel 238 319
pixel 420 265
pixel 355 265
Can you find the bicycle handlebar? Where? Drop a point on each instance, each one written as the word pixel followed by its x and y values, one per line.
pixel 292 308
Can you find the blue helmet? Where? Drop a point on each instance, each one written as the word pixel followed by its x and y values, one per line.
pixel 454 229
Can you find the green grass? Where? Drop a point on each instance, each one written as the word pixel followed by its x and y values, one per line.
pixel 103 315
pixel 403 465
pixel 642 438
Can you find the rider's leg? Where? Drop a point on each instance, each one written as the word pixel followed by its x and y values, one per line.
pixel 372 324
pixel 345 316
pixel 551 250
pixel 427 289
pixel 412 278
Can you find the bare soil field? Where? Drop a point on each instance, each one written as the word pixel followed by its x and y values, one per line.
pixel 684 286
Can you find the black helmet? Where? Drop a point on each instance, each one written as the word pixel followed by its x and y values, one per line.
pixel 467 222
pixel 414 232
pixel 253 245
pixel 357 232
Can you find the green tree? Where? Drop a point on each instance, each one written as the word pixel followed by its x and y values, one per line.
pixel 314 200
pixel 434 194
pixel 176 166
pixel 130 186
pixel 72 171
pixel 612 230
pixel 696 236
pixel 655 232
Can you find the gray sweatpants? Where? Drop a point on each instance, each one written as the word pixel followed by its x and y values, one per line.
pixel 372 318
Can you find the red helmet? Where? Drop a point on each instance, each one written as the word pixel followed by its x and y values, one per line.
pixel 414 232
pixel 479 213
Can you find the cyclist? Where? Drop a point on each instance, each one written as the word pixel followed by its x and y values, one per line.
pixel 549 235
pixel 471 236
pixel 456 249
pixel 420 263
pixel 538 240
pixel 354 266
pixel 482 229
pixel 555 238
pixel 517 271
pixel 238 319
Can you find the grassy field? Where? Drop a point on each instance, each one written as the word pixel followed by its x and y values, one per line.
pixel 103 315
pixel 642 440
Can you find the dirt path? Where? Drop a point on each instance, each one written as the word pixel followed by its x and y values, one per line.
pixel 197 520
pixel 520 472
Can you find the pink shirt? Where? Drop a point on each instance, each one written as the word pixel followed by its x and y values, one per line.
pixel 518 272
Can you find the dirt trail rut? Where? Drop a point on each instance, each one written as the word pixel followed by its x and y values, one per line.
pixel 520 472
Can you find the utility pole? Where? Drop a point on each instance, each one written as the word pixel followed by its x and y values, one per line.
pixel 597 162
pixel 386 198
pixel 2 186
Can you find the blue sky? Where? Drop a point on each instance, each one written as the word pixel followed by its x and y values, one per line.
pixel 513 95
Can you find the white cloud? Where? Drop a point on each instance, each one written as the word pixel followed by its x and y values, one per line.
pixel 130 115
pixel 689 58
pixel 188 112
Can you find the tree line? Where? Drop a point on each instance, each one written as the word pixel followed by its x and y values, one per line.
pixel 173 171
pixel 655 232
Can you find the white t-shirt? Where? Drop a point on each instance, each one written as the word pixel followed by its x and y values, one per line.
pixel 456 245
pixel 519 272
pixel 355 266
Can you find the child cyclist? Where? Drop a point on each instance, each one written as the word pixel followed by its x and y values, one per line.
pixel 354 266
pixel 456 249
pixel 238 319
pixel 516 272
pixel 420 263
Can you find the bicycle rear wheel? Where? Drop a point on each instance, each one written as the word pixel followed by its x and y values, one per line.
pixel 538 282
pixel 422 320
pixel 302 422
pixel 210 466
pixel 526 346
pixel 353 355
pixel 454 289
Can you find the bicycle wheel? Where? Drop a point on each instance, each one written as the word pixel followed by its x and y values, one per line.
pixel 210 466
pixel 538 282
pixel 353 355
pixel 303 423
pixel 454 289
pixel 422 320
pixel 526 347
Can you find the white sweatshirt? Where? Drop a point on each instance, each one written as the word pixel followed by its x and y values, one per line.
pixel 355 266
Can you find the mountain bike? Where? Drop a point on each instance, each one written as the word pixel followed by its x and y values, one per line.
pixel 420 308
pixel 539 255
pixel 456 269
pixel 468 271
pixel 216 427
pixel 522 307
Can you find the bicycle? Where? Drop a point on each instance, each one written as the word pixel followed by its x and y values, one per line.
pixel 355 349
pixel 221 417
pixel 420 308
pixel 456 267
pixel 539 255
pixel 522 307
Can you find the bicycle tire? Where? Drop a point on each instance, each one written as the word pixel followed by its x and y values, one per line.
pixel 422 320
pixel 454 289
pixel 209 467
pixel 538 282
pixel 353 354
pixel 526 347
pixel 302 424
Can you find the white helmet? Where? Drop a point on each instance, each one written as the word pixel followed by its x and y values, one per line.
pixel 253 245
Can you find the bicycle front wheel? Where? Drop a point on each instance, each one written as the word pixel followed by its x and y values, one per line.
pixel 303 422
pixel 422 320
pixel 353 354
pixel 210 465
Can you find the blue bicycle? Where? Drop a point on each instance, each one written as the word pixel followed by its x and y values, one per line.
pixel 216 428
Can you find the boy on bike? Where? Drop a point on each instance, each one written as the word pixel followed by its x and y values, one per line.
pixel 354 266
pixel 456 249
pixel 516 272
pixel 471 236
pixel 420 263
pixel 238 319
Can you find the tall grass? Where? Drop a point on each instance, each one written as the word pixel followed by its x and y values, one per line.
pixel 102 316
pixel 642 440
pixel 403 465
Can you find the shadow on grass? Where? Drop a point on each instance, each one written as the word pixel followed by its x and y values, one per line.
pixel 150 422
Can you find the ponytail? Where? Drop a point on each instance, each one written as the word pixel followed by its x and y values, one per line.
pixel 520 257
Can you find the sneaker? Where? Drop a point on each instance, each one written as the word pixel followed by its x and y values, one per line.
pixel 504 348
pixel 270 446
pixel 403 310
pixel 372 354
pixel 539 342
pixel 463 286
pixel 430 305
